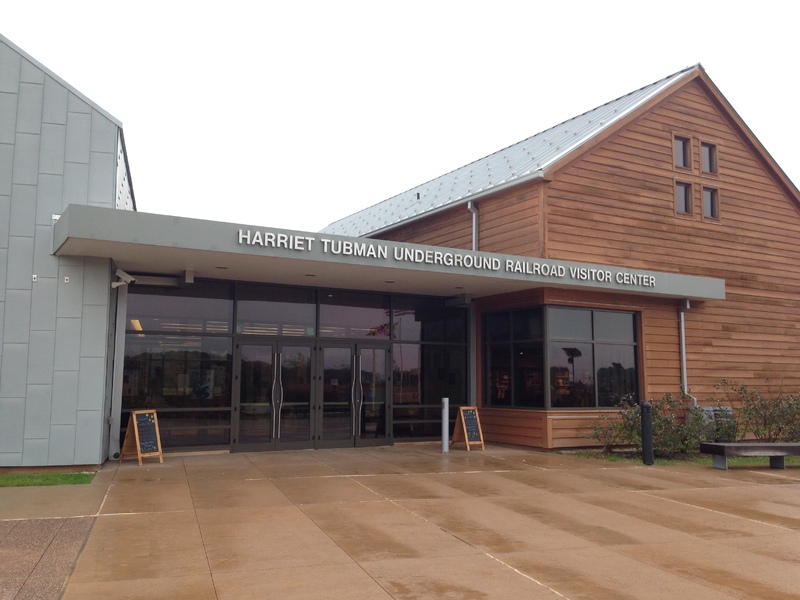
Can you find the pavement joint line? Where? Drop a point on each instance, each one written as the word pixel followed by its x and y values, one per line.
pixel 354 475
pixel 711 510
pixel 477 549
pixel 526 576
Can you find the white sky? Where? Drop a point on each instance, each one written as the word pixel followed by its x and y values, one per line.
pixel 295 114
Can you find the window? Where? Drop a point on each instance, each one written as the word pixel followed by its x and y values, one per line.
pixel 710 203
pixel 708 153
pixel 682 152
pixel 590 357
pixel 683 198
pixel 514 358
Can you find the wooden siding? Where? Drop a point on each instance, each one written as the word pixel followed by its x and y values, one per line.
pixel 508 223
pixel 618 201
pixel 516 427
pixel 540 429
pixel 451 228
pixel 614 204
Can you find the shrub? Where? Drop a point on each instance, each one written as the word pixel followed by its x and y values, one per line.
pixel 771 417
pixel 675 429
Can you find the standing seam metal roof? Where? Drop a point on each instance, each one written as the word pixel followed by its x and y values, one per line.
pixel 523 161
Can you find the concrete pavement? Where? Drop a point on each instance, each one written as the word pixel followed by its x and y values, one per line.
pixel 406 522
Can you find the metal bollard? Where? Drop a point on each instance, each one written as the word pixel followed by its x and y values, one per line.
pixel 445 425
pixel 647 433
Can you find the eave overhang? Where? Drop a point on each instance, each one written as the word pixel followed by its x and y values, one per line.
pixel 149 244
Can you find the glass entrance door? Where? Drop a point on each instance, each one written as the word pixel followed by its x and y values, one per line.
pixel 354 395
pixel 253 408
pixel 299 396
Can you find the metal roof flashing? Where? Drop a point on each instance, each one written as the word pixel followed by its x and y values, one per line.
pixel 519 163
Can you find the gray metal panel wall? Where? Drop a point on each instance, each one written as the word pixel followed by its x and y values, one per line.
pixel 56 149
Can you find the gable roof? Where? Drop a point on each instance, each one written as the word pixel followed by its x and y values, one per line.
pixel 523 161
pixel 49 73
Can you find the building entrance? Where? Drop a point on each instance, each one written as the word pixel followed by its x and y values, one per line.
pixel 289 395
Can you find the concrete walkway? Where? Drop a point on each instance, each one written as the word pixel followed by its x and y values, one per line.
pixel 407 523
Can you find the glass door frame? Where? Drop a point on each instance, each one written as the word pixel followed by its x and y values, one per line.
pixel 316 437
pixel 356 393
pixel 236 397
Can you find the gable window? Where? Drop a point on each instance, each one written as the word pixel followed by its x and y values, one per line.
pixel 708 153
pixel 683 198
pixel 682 152
pixel 710 203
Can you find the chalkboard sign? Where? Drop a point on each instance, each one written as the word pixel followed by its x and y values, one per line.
pixel 468 427
pixel 142 436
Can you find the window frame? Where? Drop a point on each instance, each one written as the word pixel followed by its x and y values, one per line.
pixel 714 158
pixel 687 151
pixel 509 349
pixel 689 198
pixel 714 216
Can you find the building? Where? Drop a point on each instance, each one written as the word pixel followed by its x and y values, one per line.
pixel 645 246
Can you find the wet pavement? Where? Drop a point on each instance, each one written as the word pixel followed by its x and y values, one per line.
pixel 405 522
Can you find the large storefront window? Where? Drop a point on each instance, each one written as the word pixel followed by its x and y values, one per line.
pixel 423 374
pixel 513 355
pixel 588 355
pixel 354 315
pixel 178 360
pixel 275 311
pixel 187 379
pixel 185 346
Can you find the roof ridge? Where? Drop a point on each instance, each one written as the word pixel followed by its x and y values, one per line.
pixel 357 223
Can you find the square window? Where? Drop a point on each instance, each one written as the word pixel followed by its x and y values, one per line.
pixel 682 154
pixel 709 158
pixel 683 198
pixel 710 203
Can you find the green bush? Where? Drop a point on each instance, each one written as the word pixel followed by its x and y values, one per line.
pixel 676 429
pixel 772 416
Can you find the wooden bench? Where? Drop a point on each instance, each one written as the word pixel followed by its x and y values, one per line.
pixel 777 451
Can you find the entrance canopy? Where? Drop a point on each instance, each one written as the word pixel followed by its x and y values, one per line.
pixel 183 248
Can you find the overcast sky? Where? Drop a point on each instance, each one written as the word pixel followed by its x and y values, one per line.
pixel 295 114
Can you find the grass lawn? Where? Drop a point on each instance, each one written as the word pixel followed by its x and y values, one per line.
pixel 28 479
pixel 626 456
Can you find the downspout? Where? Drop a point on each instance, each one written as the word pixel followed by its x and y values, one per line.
pixel 474 210
pixel 682 333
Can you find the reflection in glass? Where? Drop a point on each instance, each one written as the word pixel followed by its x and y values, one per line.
pixel 337 394
pixel 571 375
pixel 529 375
pixel 255 395
pixel 373 390
pixel 295 412
pixel 265 310
pixel 569 323
pixel 616 373
pixel 427 320
pixel 176 310
pixel 354 316
pixel 422 376
pixel 613 326
pixel 500 392
pixel 173 374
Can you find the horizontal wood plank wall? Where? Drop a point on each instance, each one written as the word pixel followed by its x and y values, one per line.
pixel 615 205
pixel 450 228
pixel 509 221
pixel 572 429
pixel 517 427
